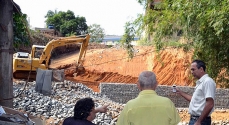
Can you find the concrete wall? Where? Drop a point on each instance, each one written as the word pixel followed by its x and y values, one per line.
pixel 122 93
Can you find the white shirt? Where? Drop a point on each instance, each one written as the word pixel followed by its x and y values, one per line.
pixel 205 88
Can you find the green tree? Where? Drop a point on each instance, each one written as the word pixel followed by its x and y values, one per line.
pixel 21 31
pixel 50 14
pixel 127 38
pixel 96 32
pixel 66 22
pixel 204 23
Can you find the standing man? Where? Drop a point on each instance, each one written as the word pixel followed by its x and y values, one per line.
pixel 202 101
pixel 148 108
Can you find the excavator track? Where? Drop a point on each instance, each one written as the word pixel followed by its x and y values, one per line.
pixel 25 75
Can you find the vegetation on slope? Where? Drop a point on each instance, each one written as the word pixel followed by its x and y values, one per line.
pixel 203 24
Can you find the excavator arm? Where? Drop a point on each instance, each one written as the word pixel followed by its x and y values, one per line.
pixel 46 54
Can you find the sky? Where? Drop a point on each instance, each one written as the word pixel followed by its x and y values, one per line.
pixel 111 15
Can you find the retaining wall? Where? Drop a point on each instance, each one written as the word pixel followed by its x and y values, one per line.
pixel 122 93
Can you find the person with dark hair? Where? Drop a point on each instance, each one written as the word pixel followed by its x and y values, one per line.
pixel 148 108
pixel 84 112
pixel 202 101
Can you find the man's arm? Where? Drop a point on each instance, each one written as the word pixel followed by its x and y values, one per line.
pixel 207 109
pixel 102 109
pixel 183 94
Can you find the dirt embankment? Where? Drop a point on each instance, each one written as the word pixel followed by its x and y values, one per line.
pixel 172 67
pixel 113 65
pixel 93 78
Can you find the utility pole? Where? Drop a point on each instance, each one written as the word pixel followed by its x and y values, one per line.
pixel 6 53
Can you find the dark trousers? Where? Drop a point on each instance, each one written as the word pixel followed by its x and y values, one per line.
pixel 206 121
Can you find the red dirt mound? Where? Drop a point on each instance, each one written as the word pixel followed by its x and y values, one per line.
pixel 93 78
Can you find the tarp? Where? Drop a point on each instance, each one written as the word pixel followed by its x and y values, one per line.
pixel 14 117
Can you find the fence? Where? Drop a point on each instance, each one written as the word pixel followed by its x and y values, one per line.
pixel 122 93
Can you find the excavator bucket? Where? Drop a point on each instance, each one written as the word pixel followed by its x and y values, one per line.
pixel 80 70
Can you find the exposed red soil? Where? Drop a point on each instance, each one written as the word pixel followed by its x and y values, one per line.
pixel 172 67
pixel 93 78
pixel 113 65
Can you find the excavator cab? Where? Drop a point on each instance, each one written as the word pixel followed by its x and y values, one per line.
pixel 37 50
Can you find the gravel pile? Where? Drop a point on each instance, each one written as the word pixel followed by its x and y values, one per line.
pixel 60 104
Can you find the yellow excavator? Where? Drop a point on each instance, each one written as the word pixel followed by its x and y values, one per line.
pixel 25 64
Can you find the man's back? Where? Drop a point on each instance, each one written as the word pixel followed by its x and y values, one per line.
pixel 149 109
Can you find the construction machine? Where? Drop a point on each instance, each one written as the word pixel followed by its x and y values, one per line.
pixel 25 64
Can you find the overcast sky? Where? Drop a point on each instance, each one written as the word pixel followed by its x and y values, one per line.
pixel 110 14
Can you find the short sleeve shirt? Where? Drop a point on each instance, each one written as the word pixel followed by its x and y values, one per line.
pixel 205 88
pixel 149 109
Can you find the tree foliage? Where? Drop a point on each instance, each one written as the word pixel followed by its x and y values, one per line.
pixel 126 39
pixel 96 32
pixel 66 22
pixel 21 30
pixel 203 22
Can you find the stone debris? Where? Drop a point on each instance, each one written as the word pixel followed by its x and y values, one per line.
pixel 60 104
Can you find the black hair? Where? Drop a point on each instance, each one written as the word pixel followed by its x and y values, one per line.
pixel 83 107
pixel 199 63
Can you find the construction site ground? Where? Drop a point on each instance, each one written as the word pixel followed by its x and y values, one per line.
pixel 112 65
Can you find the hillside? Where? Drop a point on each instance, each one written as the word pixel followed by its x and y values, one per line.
pixel 113 65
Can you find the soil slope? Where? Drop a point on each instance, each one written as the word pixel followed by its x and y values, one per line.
pixel 113 65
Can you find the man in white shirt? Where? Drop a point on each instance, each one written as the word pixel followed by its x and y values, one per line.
pixel 202 101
